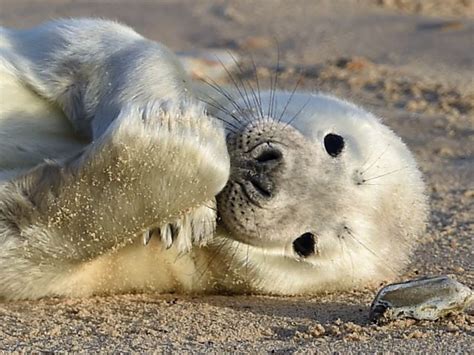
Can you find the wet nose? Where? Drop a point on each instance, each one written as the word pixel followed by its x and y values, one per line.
pixel 266 157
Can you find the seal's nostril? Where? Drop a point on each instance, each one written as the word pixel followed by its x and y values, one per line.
pixel 270 155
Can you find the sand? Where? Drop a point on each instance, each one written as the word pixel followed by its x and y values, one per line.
pixel 413 65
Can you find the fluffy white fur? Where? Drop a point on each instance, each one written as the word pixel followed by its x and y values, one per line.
pixel 375 189
pixel 102 140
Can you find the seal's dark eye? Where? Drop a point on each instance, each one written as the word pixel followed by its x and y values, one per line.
pixel 304 246
pixel 334 144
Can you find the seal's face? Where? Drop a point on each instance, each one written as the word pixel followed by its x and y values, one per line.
pixel 322 182
pixel 284 190
pixel 264 159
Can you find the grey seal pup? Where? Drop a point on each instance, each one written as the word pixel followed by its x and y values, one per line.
pixel 115 177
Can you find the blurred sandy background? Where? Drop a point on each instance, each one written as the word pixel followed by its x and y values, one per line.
pixel 410 61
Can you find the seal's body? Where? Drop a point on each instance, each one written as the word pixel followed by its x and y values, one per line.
pixel 110 168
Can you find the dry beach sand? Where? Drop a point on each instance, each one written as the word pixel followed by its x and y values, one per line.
pixel 412 62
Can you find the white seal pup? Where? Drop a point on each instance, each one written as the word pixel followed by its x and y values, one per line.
pixel 103 145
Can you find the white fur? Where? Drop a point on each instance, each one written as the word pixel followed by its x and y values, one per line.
pixel 133 151
pixel 386 216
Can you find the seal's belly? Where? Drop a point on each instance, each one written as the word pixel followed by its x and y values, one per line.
pixel 135 268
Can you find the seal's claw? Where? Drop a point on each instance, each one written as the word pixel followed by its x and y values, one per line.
pixel 194 228
pixel 147 236
pixel 166 233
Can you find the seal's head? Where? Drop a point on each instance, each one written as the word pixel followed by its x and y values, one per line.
pixel 321 195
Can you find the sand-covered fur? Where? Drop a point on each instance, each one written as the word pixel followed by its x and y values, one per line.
pixel 319 194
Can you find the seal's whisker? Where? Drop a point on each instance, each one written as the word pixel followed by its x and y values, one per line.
pixel 277 72
pixel 290 98
pixel 237 87
pixel 349 232
pixel 385 174
pixel 219 245
pixel 376 160
pixel 231 127
pixel 245 83
pixel 218 107
pixel 270 101
pixel 229 97
pixel 245 95
pixel 363 183
pixel 274 83
pixel 257 81
pixel 366 161
pixel 297 113
pixel 210 207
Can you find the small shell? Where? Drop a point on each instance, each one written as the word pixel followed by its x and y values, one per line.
pixel 427 298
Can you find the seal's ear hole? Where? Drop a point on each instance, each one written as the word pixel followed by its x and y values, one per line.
pixel 304 245
pixel 334 144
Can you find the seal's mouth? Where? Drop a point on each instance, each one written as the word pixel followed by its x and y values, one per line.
pixel 261 185
pixel 254 191
pixel 254 172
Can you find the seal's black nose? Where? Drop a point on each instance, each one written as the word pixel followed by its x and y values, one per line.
pixel 265 158
pixel 269 156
